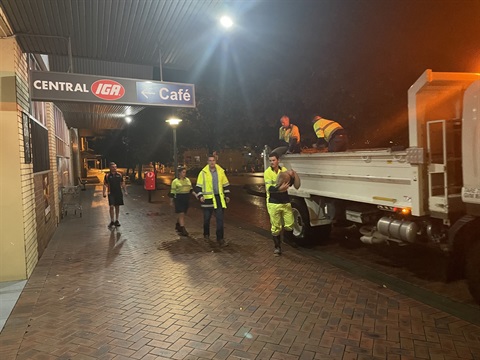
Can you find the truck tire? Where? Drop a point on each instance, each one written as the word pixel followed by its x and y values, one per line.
pixel 472 270
pixel 302 230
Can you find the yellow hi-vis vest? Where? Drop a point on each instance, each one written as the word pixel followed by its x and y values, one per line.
pixel 290 132
pixel 270 178
pixel 324 128
pixel 180 186
pixel 204 187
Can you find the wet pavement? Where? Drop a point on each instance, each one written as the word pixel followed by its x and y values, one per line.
pixel 142 292
pixel 419 265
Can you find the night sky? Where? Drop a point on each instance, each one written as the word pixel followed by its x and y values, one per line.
pixel 356 58
pixel 348 60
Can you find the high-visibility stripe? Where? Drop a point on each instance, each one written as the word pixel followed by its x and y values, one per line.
pixel 327 135
pixel 203 185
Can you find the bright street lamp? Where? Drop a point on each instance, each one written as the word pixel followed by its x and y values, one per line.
pixel 226 22
pixel 174 124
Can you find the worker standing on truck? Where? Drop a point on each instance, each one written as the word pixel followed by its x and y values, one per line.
pixel 290 134
pixel 278 203
pixel 330 134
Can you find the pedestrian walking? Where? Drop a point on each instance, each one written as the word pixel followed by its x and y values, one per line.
pixel 212 189
pixel 180 194
pixel 277 181
pixel 113 185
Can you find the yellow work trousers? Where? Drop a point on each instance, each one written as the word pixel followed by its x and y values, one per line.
pixel 280 215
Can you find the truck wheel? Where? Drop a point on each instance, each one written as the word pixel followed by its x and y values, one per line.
pixel 472 270
pixel 302 230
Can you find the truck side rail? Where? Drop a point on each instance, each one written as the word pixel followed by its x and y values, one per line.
pixel 379 177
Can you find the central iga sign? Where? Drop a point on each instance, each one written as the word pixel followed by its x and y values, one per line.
pixel 52 86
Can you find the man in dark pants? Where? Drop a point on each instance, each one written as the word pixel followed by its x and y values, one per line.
pixel 289 134
pixel 329 133
pixel 113 182
pixel 277 181
pixel 212 188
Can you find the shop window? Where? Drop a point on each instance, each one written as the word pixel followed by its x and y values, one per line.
pixel 62 138
pixel 40 152
pixel 37 108
pixel 27 144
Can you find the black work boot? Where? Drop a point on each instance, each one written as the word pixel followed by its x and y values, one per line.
pixel 289 238
pixel 183 231
pixel 177 227
pixel 278 248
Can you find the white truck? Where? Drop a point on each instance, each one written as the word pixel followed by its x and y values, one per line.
pixel 429 192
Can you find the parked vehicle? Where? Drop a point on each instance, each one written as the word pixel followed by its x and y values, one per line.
pixel 428 193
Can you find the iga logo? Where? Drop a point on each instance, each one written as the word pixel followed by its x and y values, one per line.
pixel 108 89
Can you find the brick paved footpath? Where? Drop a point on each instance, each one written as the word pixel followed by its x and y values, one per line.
pixel 141 292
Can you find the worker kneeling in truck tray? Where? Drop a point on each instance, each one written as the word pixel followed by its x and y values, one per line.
pixel 330 134
pixel 290 135
pixel 277 180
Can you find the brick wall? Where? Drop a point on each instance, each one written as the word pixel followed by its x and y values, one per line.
pixel 28 195
pixel 46 222
pixel 52 144
pixel 38 225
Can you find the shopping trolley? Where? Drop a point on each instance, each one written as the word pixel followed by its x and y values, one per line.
pixel 71 200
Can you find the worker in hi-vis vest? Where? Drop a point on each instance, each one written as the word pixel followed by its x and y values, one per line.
pixel 212 189
pixel 330 135
pixel 289 134
pixel 278 202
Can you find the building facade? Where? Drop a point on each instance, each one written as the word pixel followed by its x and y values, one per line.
pixel 35 162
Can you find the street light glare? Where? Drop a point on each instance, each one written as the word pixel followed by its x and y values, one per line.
pixel 128 119
pixel 173 122
pixel 226 22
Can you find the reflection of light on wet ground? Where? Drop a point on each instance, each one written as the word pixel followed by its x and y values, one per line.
pixel 166 179
pixel 98 199
pixel 249 208
pixel 257 201
pixel 245 179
